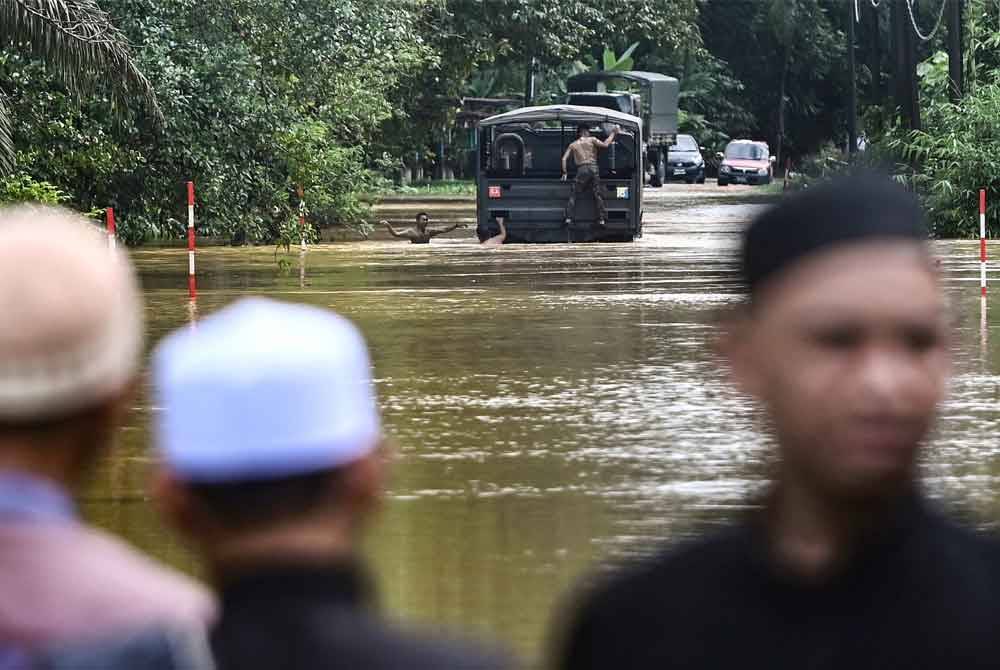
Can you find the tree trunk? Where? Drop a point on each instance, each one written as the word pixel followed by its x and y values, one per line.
pixel 781 107
pixel 913 92
pixel 852 107
pixel 955 49
pixel 877 92
pixel 529 81
pixel 904 67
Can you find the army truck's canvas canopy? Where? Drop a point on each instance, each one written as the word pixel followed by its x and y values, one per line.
pixel 661 105
pixel 566 114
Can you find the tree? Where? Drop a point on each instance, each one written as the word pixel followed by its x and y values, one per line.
pixel 789 58
pixel 76 40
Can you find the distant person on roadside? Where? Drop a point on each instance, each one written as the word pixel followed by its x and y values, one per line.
pixel 497 239
pixel 588 175
pixel 71 338
pixel 420 234
pixel 273 464
pixel 845 344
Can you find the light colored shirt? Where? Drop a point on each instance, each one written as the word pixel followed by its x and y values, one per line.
pixel 62 581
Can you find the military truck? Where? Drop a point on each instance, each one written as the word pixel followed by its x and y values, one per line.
pixel 655 104
pixel 519 176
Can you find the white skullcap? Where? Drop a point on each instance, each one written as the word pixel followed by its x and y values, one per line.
pixel 70 315
pixel 264 389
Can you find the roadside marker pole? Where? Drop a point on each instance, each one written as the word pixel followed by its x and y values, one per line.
pixel 983 325
pixel 109 215
pixel 192 285
pixel 982 240
pixel 302 218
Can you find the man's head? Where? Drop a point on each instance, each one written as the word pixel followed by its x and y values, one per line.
pixel 269 430
pixel 845 339
pixel 422 220
pixel 70 341
pixel 583 130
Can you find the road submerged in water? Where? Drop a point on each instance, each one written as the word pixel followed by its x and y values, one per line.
pixel 552 406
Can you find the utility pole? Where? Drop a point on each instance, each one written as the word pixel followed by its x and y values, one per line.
pixel 955 83
pixel 852 108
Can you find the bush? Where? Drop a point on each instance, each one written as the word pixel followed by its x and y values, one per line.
pixel 954 156
pixel 24 188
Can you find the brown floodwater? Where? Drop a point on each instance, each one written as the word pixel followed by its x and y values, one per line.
pixel 553 406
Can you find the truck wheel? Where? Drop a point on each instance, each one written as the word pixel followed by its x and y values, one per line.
pixel 659 170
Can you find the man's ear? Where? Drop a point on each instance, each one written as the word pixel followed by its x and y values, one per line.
pixel 360 487
pixel 174 502
pixel 736 344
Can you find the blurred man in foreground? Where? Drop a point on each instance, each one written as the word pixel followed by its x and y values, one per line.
pixel 845 344
pixel 271 443
pixel 70 341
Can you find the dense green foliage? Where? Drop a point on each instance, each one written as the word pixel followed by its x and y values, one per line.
pixel 261 97
pixel 955 153
pixel 22 188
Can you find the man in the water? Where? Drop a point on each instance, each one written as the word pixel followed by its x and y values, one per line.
pixel 497 239
pixel 844 343
pixel 588 175
pixel 421 234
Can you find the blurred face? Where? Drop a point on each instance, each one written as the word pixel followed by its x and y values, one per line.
pixel 848 351
pixel 422 220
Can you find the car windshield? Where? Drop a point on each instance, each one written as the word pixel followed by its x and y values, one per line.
pixel 753 152
pixel 684 143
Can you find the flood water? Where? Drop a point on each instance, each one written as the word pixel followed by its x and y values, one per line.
pixel 552 406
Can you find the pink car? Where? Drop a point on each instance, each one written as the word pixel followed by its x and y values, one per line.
pixel 746 162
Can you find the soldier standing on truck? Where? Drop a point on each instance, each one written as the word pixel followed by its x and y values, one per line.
pixel 588 174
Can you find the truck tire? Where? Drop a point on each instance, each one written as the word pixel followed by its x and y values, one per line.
pixel 659 169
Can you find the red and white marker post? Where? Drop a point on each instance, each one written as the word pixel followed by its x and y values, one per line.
pixel 982 241
pixel 192 284
pixel 109 216
pixel 983 322
pixel 302 218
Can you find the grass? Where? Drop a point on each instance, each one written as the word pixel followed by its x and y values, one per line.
pixel 431 189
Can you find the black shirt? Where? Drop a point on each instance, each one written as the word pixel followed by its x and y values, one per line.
pixel 291 617
pixel 923 593
pixel 299 618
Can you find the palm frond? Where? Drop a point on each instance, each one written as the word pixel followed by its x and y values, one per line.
pixel 78 42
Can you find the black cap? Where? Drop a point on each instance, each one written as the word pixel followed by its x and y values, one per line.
pixel 846 209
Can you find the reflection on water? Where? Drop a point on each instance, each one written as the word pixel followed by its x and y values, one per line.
pixel 552 405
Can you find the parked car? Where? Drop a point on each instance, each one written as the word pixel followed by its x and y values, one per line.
pixel 685 162
pixel 746 162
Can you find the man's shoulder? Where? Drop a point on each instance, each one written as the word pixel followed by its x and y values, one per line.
pixel 373 643
pixel 690 567
pixel 950 544
pixel 92 570
pixel 629 611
